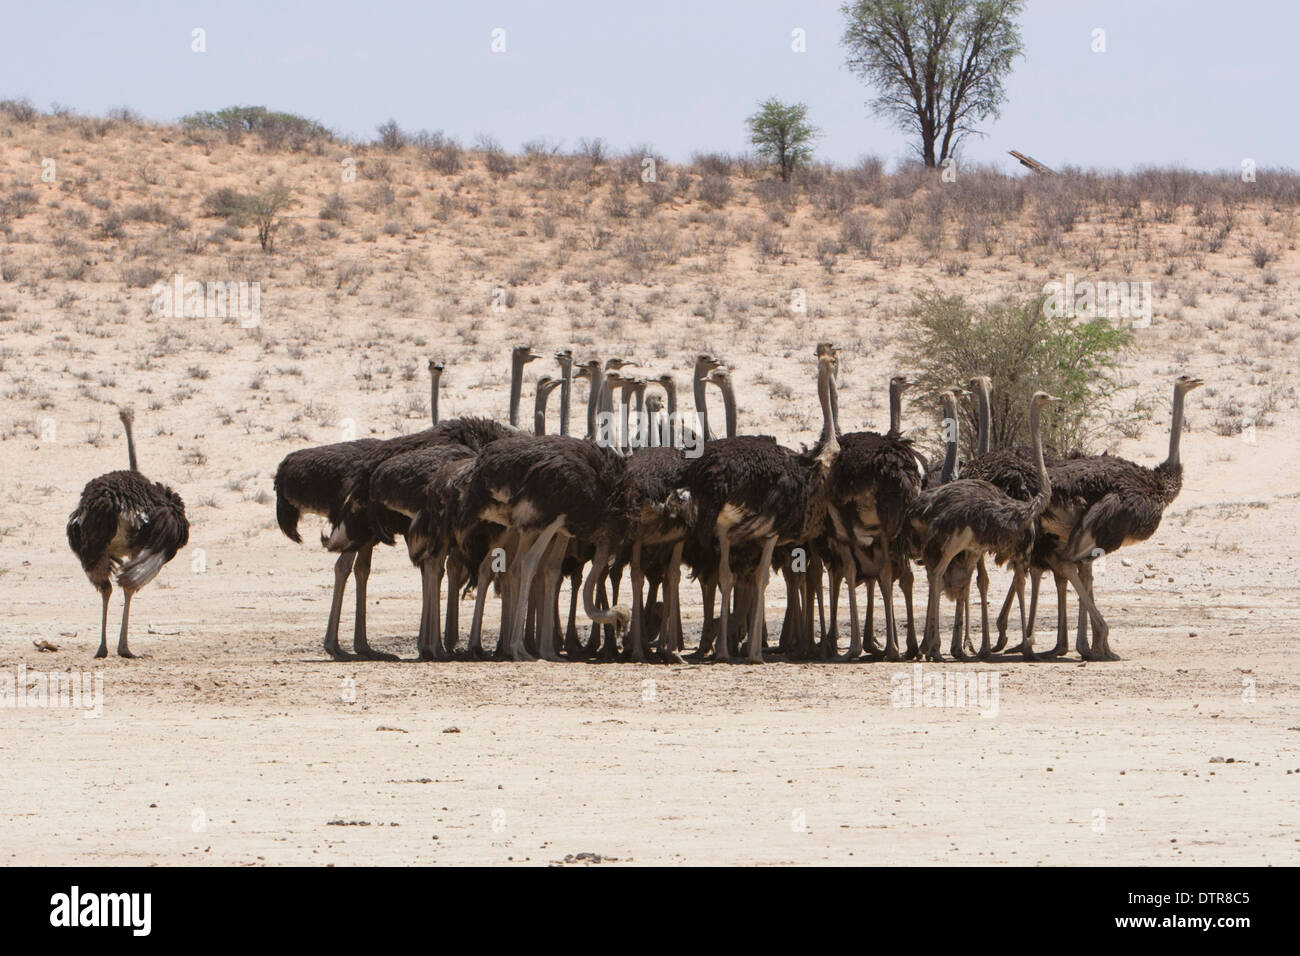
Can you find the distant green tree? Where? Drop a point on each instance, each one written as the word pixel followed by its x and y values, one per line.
pixel 782 135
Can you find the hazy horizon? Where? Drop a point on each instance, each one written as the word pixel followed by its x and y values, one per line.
pixel 1179 84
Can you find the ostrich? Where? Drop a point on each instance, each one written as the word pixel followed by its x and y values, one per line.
pixel 547 490
pixel 1012 470
pixel 319 481
pixel 127 527
pixel 962 520
pixel 520 356
pixel 399 490
pixel 1100 504
pixel 435 383
pixel 393 462
pixel 750 490
pixel 875 479
pixel 663 520
pixel 565 359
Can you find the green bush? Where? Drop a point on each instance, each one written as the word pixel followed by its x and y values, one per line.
pixel 1022 349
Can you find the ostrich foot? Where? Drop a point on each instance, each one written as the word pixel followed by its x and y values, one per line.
pixel 367 653
pixel 102 652
pixel 123 652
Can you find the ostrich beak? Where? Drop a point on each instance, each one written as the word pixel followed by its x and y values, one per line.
pixel 1194 383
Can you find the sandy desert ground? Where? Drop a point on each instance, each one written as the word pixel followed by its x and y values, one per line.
pixel 233 741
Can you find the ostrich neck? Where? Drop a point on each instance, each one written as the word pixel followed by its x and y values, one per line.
pixel 539 411
pixel 985 439
pixel 729 408
pixel 950 449
pixel 831 448
pixel 433 397
pixel 516 387
pixel 1039 502
pixel 603 402
pixel 701 404
pixel 895 410
pixel 594 398
pixel 1175 429
pixel 566 388
pixel 670 396
pixel 130 447
pixel 835 407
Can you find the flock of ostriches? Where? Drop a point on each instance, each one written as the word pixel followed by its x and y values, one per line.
pixel 491 508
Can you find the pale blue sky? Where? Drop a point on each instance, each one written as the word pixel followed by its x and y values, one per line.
pixel 1202 83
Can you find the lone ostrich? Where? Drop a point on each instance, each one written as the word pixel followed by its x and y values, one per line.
pixel 127 527
pixel 750 490
pixel 962 520
pixel 1100 504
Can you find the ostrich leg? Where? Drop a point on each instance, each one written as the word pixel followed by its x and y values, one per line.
pixel 982 582
pixel 423 649
pixel 721 651
pixel 1017 590
pixel 851 579
pixel 758 623
pixel 1062 616
pixel 1027 645
pixel 342 568
pixel 906 580
pixel 475 648
pixel 869 620
pixel 830 643
pixel 122 649
pixel 670 631
pixel 930 646
pixel 456 574
pixel 1101 648
pixel 634 649
pixel 548 612
pixel 1100 641
pixel 532 546
pixel 886 581
pixel 361 574
pixel 105 591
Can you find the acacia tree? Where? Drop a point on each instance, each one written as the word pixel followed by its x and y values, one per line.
pixel 938 65
pixel 781 133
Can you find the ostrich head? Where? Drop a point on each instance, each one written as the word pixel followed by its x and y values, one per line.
pixel 1185 383
pixel 436 366
pixel 523 354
